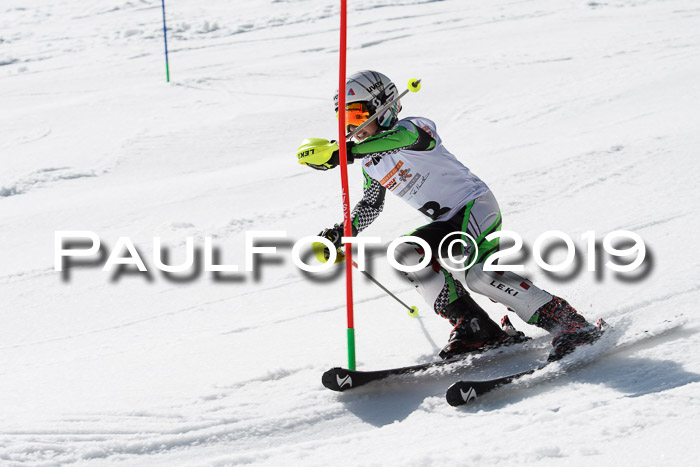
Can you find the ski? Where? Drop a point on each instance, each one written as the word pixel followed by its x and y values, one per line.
pixel 465 392
pixel 342 379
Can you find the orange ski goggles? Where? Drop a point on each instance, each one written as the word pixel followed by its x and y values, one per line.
pixel 355 115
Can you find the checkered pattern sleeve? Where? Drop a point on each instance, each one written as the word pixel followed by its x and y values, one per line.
pixel 369 207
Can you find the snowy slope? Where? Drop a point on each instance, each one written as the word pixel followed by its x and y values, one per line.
pixel 580 116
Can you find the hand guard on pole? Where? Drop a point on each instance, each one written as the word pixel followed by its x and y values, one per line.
pixel 334 234
pixel 321 154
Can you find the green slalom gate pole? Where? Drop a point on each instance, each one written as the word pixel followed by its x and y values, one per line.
pixel 344 181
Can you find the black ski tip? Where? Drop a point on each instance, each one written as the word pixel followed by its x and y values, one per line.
pixel 337 379
pixel 461 393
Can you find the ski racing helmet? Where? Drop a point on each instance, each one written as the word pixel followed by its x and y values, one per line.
pixel 372 89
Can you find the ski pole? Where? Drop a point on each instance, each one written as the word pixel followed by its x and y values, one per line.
pixel 413 86
pixel 319 251
pixel 412 310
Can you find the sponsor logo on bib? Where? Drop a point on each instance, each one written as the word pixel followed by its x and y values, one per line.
pixel 391 173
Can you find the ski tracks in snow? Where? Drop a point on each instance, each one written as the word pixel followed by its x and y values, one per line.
pixel 44 177
pixel 230 415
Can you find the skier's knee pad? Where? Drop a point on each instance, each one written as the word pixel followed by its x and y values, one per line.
pixel 477 280
pixel 508 289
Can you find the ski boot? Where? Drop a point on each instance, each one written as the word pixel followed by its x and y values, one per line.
pixel 474 330
pixel 568 327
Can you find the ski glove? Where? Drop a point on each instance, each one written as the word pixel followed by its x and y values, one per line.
pixel 334 234
pixel 321 154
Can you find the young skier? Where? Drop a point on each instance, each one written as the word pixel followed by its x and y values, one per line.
pixel 407 157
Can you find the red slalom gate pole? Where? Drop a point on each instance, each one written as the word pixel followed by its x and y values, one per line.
pixel 344 181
